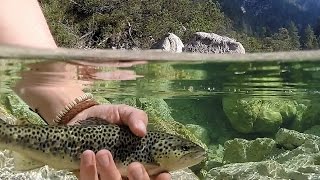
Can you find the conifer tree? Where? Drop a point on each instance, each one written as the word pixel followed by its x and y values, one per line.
pixel 294 36
pixel 309 40
pixel 281 41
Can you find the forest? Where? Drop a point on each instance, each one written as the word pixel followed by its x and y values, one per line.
pixel 138 24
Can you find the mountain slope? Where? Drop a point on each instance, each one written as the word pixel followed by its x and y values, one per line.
pixel 252 15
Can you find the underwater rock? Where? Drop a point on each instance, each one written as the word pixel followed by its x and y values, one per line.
pixel 314 130
pixel 160 119
pixel 301 162
pixel 311 114
pixel 207 113
pixel 202 42
pixel 248 115
pixel 250 170
pixel 20 110
pixel 241 150
pixel 7 171
pixel 215 156
pixel 128 101
pixel 184 174
pixel 199 132
pixel 270 170
pixel 291 139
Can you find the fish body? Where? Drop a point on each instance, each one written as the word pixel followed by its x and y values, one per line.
pixel 60 147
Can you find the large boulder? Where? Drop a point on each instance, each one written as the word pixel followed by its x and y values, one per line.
pixel 254 115
pixel 202 42
pixel 241 150
pixel 169 42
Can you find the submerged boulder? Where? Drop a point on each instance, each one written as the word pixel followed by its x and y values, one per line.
pixel 254 115
pixel 202 42
pixel 241 150
pixel 291 139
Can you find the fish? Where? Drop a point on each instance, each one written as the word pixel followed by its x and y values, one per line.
pixel 61 146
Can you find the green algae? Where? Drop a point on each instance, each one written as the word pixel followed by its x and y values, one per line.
pixel 20 110
pixel 248 115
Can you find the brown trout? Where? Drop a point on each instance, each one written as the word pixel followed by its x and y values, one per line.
pixel 60 147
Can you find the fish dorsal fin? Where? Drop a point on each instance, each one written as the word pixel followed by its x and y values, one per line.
pixel 24 163
pixel 92 121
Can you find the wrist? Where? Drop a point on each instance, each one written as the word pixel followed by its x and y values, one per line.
pixel 47 101
pixel 73 108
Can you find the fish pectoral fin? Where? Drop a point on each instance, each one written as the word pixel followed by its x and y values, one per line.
pixel 24 163
pixel 153 169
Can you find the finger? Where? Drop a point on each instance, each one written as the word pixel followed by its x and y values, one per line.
pixel 88 169
pixel 162 176
pixel 106 166
pixel 137 172
pixel 136 119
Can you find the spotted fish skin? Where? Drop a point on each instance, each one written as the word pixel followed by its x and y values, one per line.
pixel 61 146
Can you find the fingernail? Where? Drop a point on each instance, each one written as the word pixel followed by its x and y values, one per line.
pixel 138 173
pixel 87 159
pixel 141 126
pixel 103 160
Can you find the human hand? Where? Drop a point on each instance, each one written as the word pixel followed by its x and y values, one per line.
pixel 134 118
pixel 102 163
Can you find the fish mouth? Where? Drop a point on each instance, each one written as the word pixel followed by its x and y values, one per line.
pixel 199 155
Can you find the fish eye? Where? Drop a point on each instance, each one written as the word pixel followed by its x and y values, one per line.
pixel 185 148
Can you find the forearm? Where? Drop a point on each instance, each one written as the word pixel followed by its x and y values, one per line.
pixel 50 90
pixel 22 23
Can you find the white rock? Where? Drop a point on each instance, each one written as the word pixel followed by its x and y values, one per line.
pixel 203 42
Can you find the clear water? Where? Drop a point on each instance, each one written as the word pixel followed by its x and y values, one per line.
pixel 196 93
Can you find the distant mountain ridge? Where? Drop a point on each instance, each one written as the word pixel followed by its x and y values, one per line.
pixel 252 15
pixel 306 5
